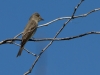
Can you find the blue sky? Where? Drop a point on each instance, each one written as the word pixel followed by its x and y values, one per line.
pixel 79 56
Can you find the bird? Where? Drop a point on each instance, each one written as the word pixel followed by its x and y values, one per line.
pixel 29 30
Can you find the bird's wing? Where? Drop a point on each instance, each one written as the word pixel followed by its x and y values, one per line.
pixel 28 32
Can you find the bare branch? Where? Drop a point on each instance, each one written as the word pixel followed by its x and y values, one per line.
pixel 53 21
pixel 50 39
pixel 84 15
pixel 25 49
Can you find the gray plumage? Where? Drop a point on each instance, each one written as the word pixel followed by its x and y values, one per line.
pixel 29 30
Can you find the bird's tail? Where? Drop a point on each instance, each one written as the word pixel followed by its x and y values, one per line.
pixel 21 48
pixel 20 51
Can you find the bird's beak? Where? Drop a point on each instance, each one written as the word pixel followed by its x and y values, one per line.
pixel 42 19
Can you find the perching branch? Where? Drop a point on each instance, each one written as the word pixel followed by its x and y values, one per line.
pixel 50 39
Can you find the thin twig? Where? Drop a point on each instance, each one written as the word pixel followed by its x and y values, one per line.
pixel 25 49
pixel 84 15
pixel 46 24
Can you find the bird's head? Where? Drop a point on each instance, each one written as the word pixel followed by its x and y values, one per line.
pixel 36 17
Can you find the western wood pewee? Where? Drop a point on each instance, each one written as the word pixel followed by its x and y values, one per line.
pixel 29 30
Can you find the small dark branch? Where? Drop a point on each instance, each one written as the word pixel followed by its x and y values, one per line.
pixel 25 49
pixel 84 15
pixel 76 8
pixel 81 35
pixel 50 39
pixel 9 41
